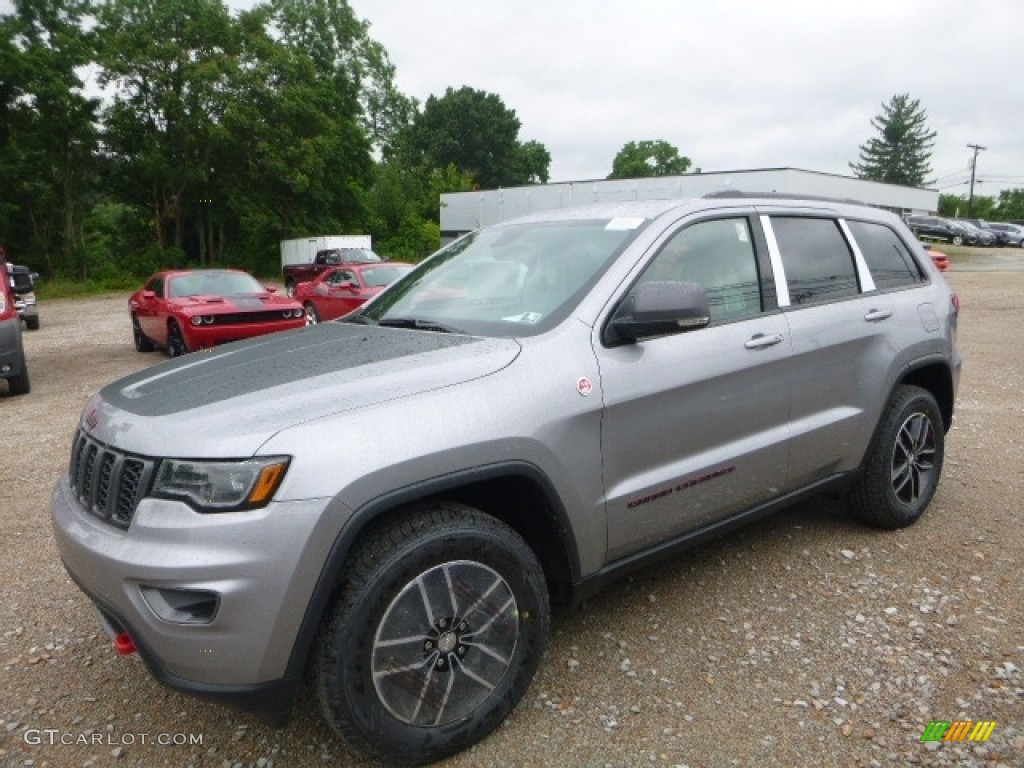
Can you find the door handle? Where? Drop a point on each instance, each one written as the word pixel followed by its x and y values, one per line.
pixel 760 341
pixel 878 314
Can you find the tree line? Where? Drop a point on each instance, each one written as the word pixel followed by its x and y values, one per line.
pixel 140 134
pixel 143 134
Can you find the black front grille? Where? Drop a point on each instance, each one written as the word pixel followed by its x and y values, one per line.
pixel 108 483
pixel 237 318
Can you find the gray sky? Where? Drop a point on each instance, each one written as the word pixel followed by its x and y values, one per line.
pixel 733 84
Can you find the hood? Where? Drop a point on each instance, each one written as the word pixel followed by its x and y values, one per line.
pixel 229 401
pixel 213 303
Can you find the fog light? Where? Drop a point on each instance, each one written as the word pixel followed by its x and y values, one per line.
pixel 182 606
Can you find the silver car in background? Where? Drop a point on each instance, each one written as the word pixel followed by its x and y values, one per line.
pixel 392 502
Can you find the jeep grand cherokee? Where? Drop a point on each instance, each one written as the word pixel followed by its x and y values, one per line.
pixel 391 502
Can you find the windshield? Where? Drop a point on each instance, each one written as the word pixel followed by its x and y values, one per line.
pixel 213 283
pixel 512 280
pixel 377 277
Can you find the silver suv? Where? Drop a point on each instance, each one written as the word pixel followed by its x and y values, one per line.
pixel 391 501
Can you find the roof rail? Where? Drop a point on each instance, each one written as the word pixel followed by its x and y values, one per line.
pixel 737 193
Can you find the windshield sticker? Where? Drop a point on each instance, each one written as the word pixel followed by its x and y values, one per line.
pixel 624 223
pixel 741 232
pixel 526 317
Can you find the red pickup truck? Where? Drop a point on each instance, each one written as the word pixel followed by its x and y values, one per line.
pixel 324 260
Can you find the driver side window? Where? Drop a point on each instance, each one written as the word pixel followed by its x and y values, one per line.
pixel 719 256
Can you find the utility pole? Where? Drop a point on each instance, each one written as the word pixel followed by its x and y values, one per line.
pixel 974 165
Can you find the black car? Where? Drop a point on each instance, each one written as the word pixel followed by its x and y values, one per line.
pixel 1014 232
pixel 977 235
pixel 936 228
pixel 999 237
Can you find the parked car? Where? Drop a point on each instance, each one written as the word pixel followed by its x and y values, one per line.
pixel 940 259
pixel 983 234
pixel 294 274
pixel 186 310
pixel 13 367
pixel 342 289
pixel 392 501
pixel 935 228
pixel 23 285
pixel 1014 233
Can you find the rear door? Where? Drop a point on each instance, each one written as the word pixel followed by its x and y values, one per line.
pixel 695 424
pixel 842 331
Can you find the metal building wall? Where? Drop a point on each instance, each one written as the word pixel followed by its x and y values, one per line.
pixel 465 211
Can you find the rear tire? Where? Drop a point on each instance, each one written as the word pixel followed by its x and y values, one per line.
pixel 435 637
pixel 32 322
pixel 903 463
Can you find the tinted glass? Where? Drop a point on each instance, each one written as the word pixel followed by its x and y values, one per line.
pixel 719 256
pixel 816 258
pixel 887 256
pixel 213 284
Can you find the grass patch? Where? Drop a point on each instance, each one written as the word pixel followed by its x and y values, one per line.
pixel 66 288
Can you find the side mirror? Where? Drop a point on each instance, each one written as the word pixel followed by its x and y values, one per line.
pixel 660 309
pixel 271 288
pixel 148 295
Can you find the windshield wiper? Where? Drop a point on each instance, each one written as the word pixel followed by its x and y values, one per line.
pixel 418 324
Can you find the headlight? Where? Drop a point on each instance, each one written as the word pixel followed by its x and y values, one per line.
pixel 197 320
pixel 221 486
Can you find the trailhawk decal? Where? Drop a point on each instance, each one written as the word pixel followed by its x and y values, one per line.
pixel 680 487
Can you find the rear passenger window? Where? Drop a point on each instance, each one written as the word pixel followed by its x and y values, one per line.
pixel 816 258
pixel 719 256
pixel 887 256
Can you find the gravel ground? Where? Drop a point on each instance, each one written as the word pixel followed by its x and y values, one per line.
pixel 803 640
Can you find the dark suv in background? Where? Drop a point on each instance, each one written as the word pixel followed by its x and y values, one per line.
pixel 23 286
pixel 12 353
pixel 936 228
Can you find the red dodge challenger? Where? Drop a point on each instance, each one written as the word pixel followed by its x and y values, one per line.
pixel 342 289
pixel 186 310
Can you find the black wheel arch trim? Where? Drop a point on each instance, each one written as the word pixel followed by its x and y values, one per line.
pixel 373 510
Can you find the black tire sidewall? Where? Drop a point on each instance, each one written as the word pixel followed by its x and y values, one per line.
pixel 884 508
pixel 354 699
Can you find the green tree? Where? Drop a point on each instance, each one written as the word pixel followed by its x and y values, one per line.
pixel 1011 204
pixel 643 159
pixel 169 63
pixel 956 206
pixel 474 131
pixel 901 153
pixel 47 133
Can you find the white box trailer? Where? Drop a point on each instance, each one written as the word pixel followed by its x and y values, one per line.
pixel 302 250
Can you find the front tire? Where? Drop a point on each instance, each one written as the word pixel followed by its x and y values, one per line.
pixel 312 316
pixel 903 464
pixel 32 322
pixel 142 342
pixel 436 636
pixel 958 240
pixel 176 346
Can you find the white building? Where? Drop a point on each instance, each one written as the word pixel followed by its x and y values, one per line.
pixel 463 212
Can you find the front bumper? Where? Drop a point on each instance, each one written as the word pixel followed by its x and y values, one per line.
pixel 206 336
pixel 262 565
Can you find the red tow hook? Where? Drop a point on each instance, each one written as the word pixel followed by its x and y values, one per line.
pixel 124 644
